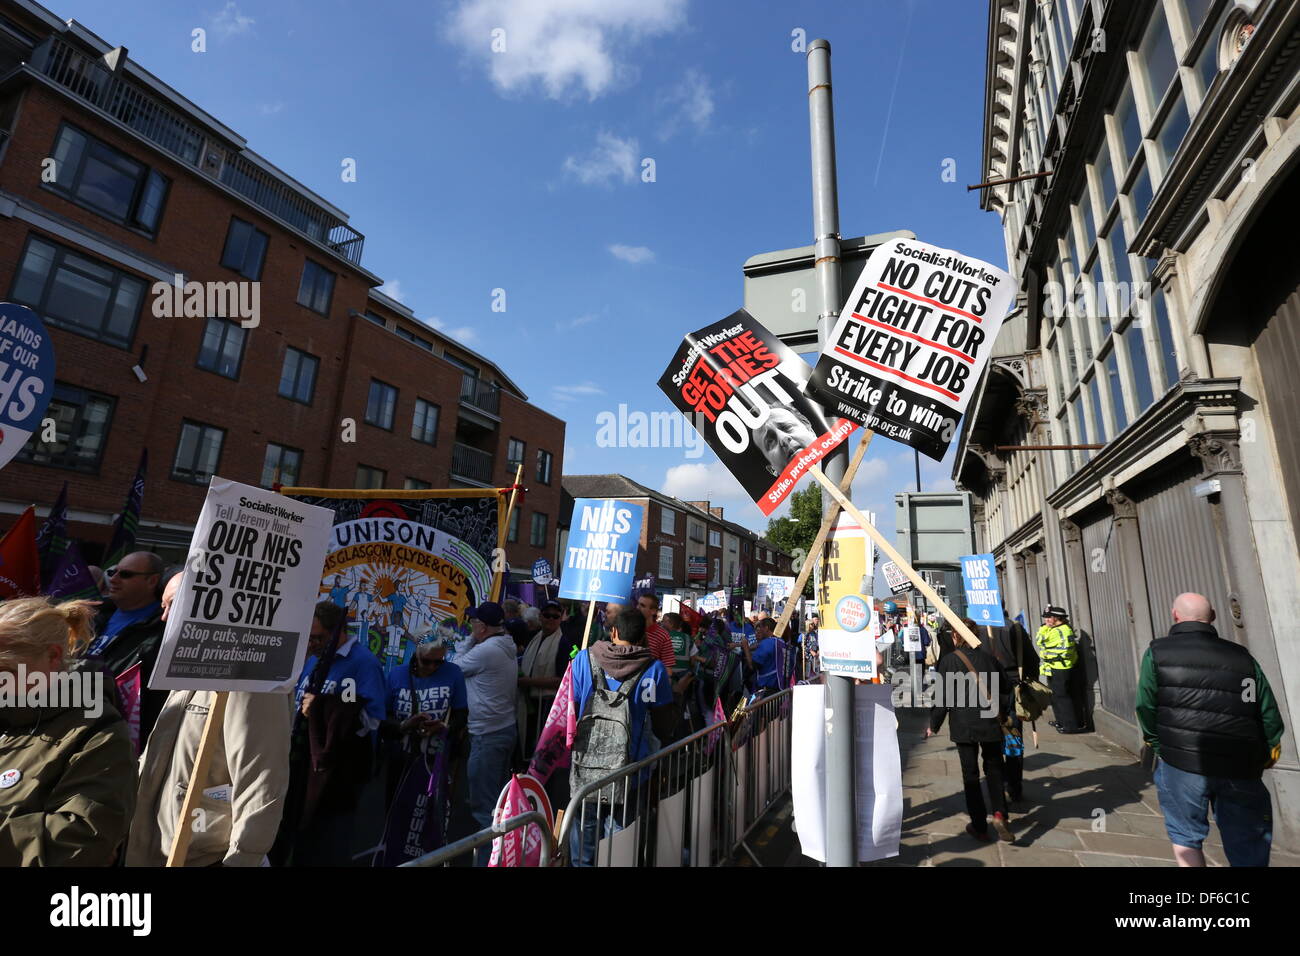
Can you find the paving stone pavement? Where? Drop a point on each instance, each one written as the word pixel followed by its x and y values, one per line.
pixel 1087 803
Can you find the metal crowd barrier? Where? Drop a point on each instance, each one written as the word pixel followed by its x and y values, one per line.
pixel 444 856
pixel 689 804
pixel 668 809
pixel 760 759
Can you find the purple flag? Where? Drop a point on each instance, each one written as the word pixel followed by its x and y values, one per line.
pixel 71 577
pixel 52 539
pixel 124 531
pixel 417 820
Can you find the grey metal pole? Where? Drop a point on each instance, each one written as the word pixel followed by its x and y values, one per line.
pixel 841 834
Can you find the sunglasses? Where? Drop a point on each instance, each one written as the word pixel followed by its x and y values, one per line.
pixel 126 575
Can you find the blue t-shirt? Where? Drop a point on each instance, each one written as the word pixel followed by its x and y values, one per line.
pixel 438 694
pixel 772 663
pixel 120 620
pixel 367 677
pixel 654 690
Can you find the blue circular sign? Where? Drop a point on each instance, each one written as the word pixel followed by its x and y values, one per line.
pixel 852 613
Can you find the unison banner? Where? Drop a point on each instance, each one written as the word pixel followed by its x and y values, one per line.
pixel 743 389
pixel 911 343
pixel 402 562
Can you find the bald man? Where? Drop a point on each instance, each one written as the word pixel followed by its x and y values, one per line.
pixel 1207 712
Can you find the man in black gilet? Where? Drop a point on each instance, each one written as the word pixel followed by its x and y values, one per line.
pixel 1206 710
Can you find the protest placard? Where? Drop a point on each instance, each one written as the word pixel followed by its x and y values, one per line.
pixel 542 571
pixel 26 377
pixel 979 576
pixel 243 612
pixel 743 389
pixel 600 559
pixel 911 343
pixel 895 578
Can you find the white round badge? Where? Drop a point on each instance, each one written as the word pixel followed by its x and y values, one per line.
pixel 9 778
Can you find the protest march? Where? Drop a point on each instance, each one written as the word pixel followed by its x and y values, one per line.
pixel 552 529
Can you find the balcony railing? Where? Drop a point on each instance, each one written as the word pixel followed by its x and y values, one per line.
pixel 89 79
pixel 471 463
pixel 480 394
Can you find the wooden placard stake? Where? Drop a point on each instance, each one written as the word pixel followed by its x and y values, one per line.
pixel 185 823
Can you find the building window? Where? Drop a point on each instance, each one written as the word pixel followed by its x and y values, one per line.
pixel 544 466
pixel 282 465
pixel 381 404
pixel 298 376
pixel 537 534
pixel 1116 391
pixel 198 452
pixel 316 288
pixel 245 250
pixel 665 562
pixel 1130 126
pixel 1159 65
pixel 1137 359
pixel 715 539
pixel 1159 309
pixel 368 477
pixel 1171 133
pixel 377 319
pixel 512 529
pixel 222 349
pixel 424 426
pixel 413 338
pixel 667 521
pixel 81 422
pixel 717 571
pixel 515 451
pixel 79 294
pixel 416 484
pixel 95 175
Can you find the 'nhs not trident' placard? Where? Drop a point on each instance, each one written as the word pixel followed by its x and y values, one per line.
pixel 600 559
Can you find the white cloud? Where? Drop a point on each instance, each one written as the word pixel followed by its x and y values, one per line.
pixel 941 484
pixel 690 101
pixel 270 109
pixel 633 254
pixel 559 45
pixel 702 481
pixel 611 158
pixel 463 333
pixel 231 22
pixel 392 288
pixel 571 324
pixel 570 393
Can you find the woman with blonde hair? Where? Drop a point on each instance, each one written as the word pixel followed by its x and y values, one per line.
pixel 67 767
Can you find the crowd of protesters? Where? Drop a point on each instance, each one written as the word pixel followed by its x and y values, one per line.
pixel 305 778
pixel 308 778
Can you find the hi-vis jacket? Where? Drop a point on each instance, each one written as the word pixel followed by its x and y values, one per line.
pixel 1057 648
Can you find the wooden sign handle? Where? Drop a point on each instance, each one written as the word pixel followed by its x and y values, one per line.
pixel 815 552
pixel 207 744
pixel 586 631
pixel 883 543
pixel 504 530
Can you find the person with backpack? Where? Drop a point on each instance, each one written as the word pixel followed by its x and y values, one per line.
pixel 1014 651
pixel 622 695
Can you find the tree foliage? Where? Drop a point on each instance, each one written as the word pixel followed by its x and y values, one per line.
pixel 796 537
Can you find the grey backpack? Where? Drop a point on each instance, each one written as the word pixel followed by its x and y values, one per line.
pixel 603 742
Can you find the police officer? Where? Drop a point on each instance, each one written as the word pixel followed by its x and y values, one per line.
pixel 1058 653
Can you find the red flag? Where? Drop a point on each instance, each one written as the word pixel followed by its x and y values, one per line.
pixel 20 561
pixel 129 687
pixel 690 617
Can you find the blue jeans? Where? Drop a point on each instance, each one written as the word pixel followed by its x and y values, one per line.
pixel 1242 809
pixel 488 770
pixel 599 822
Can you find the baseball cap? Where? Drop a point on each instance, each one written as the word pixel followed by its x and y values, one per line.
pixel 489 612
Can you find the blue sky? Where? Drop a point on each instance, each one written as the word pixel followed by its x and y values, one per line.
pixel 521 169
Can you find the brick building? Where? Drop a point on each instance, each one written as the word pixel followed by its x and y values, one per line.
pixel 111 182
pixel 679 536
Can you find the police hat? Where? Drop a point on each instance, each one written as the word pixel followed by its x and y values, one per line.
pixel 1053 611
